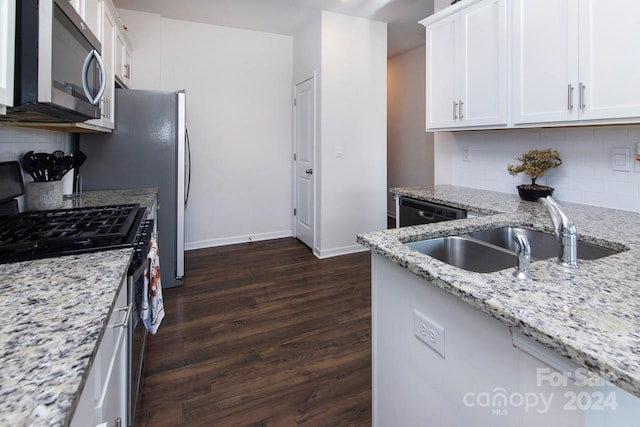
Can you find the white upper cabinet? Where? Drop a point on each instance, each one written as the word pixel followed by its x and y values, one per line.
pixel 575 60
pixel 91 13
pixel 610 58
pixel 123 59
pixel 7 42
pixel 108 37
pixel 442 108
pixel 467 67
pixel 544 61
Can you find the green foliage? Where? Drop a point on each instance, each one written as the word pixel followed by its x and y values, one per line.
pixel 535 163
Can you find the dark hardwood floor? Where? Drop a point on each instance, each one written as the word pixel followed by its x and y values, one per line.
pixel 263 334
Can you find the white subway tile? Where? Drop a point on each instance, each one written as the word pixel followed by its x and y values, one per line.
pixel 566 195
pixel 582 184
pixel 610 134
pixel 613 201
pixel 629 189
pixel 608 175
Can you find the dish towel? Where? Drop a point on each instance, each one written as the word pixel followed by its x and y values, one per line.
pixel 152 304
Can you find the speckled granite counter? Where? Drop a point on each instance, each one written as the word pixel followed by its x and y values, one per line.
pixel 53 312
pixel 144 196
pixel 591 315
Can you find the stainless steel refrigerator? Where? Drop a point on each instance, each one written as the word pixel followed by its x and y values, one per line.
pixel 149 147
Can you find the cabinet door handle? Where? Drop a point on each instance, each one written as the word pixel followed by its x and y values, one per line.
pixel 125 322
pixel 582 102
pixel 460 109
pixel 570 97
pixel 455 110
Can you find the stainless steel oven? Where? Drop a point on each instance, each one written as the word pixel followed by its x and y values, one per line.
pixel 59 73
pixel 137 279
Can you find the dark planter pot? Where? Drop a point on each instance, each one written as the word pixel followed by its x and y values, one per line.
pixel 532 193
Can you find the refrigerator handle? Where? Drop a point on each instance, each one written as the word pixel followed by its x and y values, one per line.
pixel 186 133
pixel 181 184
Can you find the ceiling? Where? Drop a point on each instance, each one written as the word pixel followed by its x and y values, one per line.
pixel 288 16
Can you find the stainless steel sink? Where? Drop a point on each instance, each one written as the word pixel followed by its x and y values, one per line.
pixel 466 253
pixel 494 249
pixel 543 245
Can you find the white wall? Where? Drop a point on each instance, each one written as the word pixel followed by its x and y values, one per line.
pixel 353 118
pixel 306 51
pixel 584 177
pixel 239 105
pixel 438 5
pixel 146 61
pixel 410 152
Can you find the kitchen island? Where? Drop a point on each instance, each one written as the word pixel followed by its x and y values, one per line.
pixel 54 314
pixel 589 316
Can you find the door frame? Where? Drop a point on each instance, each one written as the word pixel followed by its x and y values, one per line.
pixel 315 158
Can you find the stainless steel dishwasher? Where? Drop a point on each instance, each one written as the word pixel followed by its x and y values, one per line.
pixel 415 212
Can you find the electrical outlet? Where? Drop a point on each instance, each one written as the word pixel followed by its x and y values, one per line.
pixel 621 159
pixel 428 332
pixel 466 154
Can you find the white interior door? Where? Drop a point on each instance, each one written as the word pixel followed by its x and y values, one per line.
pixel 305 134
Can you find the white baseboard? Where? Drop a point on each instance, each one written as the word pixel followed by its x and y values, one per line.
pixel 346 250
pixel 201 244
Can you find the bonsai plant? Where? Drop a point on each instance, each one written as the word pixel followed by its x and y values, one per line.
pixel 535 163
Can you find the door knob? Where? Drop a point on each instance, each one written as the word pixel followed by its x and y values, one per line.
pixel 309 171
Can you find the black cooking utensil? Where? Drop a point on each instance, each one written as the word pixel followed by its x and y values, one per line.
pixel 62 166
pixel 78 158
pixel 43 163
pixel 27 165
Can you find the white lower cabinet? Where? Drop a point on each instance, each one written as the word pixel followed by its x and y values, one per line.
pixel 104 397
pixel 482 378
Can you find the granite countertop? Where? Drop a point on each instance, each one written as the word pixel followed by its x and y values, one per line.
pixel 54 311
pixel 590 315
pixel 144 196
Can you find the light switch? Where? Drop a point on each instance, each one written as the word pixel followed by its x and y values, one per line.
pixel 339 151
pixel 621 159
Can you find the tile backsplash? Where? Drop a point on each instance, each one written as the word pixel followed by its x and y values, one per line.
pixel 15 141
pixel 585 176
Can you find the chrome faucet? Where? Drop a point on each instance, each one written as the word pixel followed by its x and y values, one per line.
pixel 566 232
pixel 523 250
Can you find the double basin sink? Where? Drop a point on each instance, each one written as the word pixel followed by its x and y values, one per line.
pixel 494 249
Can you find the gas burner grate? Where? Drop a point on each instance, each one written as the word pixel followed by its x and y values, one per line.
pixel 57 231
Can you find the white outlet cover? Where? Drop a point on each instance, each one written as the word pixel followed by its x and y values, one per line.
pixel 429 332
pixel 466 154
pixel 621 159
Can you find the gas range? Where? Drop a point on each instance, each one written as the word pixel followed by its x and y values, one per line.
pixel 43 234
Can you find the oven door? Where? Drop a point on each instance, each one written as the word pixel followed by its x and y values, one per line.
pixel 59 70
pixel 137 340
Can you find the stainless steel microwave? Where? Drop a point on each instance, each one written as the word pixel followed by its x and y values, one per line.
pixel 59 73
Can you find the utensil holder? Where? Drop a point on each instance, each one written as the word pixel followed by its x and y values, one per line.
pixel 42 196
